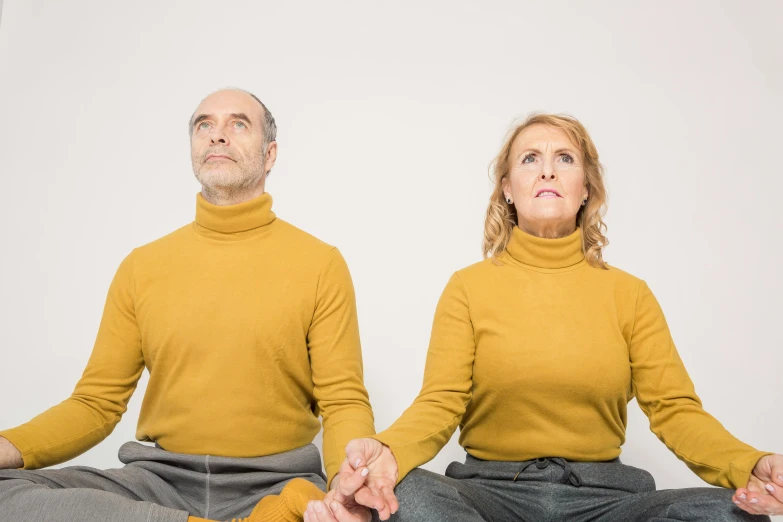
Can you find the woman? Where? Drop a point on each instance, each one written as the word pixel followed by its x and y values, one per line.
pixel 535 353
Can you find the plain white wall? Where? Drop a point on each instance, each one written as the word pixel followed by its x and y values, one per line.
pixel 389 115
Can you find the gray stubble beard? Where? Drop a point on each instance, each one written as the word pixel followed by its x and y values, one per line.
pixel 234 188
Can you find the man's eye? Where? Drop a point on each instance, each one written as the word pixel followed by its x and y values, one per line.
pixel 239 124
pixel 203 125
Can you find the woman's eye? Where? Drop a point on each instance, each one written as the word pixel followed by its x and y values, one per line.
pixel 529 158
pixel 567 158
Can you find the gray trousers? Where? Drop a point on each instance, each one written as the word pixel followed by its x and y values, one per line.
pixel 549 490
pixel 154 486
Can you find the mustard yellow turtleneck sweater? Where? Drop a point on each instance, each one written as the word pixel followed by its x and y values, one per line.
pixel 248 328
pixel 539 356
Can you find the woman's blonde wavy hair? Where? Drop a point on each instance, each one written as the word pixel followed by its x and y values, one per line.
pixel 502 217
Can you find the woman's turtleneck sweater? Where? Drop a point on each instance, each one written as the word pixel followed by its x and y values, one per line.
pixel 248 328
pixel 538 356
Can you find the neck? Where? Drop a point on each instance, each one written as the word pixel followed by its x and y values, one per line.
pixel 548 230
pixel 223 196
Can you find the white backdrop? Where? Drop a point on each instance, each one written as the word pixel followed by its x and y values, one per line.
pixel 389 115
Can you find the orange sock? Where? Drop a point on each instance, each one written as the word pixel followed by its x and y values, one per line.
pixel 288 506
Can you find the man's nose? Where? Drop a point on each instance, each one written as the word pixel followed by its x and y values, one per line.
pixel 218 136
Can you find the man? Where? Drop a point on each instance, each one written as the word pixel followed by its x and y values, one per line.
pixel 248 328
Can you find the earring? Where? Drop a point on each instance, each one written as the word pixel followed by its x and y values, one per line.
pixel 508 200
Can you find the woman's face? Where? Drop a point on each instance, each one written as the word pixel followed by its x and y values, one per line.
pixel 546 181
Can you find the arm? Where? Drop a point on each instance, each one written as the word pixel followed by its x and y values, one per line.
pixel 336 363
pixel 428 424
pixel 667 396
pixel 100 398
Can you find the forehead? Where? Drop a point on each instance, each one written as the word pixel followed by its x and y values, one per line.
pixel 230 102
pixel 543 137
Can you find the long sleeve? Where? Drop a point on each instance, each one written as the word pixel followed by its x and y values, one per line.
pixel 667 396
pixel 428 424
pixel 289 506
pixel 336 363
pixel 93 410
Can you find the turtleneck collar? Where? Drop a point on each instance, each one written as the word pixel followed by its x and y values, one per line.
pixel 546 253
pixel 233 219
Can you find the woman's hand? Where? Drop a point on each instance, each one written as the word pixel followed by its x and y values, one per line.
pixel 764 493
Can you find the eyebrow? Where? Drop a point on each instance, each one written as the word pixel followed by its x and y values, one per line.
pixel 234 116
pixel 533 149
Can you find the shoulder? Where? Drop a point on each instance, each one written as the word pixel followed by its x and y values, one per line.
pixel 163 245
pixel 294 236
pixel 616 275
pixel 477 270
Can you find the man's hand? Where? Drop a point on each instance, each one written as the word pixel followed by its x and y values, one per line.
pixel 764 493
pixel 10 457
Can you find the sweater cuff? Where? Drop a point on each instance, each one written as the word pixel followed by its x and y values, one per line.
pixel 741 469
pixel 341 434
pixel 406 462
pixel 15 437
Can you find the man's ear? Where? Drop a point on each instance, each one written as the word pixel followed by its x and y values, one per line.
pixel 271 157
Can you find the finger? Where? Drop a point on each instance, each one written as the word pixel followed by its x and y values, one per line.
pixel 775 492
pixel 747 500
pixel 344 467
pixel 765 504
pixel 363 514
pixel 366 497
pixel 738 493
pixel 749 507
pixel 770 504
pixel 390 499
pixel 357 453
pixel 777 470
pixel 755 484
pixel 349 483
pixel 384 512
pixel 342 514
pixel 322 513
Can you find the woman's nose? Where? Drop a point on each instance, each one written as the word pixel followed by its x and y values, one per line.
pixel 548 172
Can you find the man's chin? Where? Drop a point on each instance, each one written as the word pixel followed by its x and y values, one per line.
pixel 219 178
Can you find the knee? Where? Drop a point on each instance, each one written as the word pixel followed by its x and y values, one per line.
pixel 418 493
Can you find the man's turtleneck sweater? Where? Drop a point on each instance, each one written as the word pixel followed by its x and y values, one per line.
pixel 248 328
pixel 539 355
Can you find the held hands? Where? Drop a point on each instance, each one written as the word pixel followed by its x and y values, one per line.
pixel 366 478
pixel 339 504
pixel 764 493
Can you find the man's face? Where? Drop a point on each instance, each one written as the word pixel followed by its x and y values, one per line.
pixel 226 143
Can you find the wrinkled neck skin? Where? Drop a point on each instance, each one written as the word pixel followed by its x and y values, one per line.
pixel 548 229
pixel 234 194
